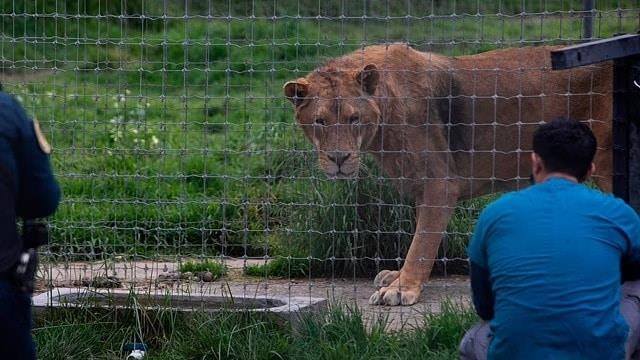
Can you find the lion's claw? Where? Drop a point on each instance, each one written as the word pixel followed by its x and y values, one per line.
pixel 375 299
pixel 385 278
pixel 394 296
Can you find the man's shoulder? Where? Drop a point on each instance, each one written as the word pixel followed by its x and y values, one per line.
pixel 510 199
pixel 604 203
pixel 507 201
pixel 534 194
pixel 588 200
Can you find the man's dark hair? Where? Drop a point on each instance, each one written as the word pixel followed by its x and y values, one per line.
pixel 565 146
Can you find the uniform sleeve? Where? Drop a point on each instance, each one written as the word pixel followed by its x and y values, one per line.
pixel 39 193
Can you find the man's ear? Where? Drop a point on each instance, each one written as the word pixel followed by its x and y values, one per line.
pixel 534 159
pixel 368 78
pixel 591 171
pixel 537 165
pixel 296 91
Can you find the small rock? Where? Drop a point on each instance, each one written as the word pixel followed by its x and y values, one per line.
pixel 186 275
pixel 169 276
pixel 195 278
pixel 207 276
pixel 81 282
pixel 105 282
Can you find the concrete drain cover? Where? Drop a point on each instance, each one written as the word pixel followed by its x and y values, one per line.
pixel 124 299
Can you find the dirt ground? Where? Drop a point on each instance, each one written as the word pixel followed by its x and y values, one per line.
pixel 151 277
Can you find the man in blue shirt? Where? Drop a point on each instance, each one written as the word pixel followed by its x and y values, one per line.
pixel 28 190
pixel 547 262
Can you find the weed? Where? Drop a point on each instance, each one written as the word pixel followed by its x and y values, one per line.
pixel 280 267
pixel 218 269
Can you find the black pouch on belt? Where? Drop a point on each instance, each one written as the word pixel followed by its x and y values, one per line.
pixel 35 233
pixel 25 272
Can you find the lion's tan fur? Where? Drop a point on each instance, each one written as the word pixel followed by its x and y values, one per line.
pixel 446 129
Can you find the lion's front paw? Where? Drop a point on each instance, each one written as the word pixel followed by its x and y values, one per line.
pixel 385 278
pixel 395 295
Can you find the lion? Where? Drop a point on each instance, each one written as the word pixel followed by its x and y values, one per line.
pixel 444 129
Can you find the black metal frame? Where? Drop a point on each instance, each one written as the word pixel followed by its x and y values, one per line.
pixel 625 52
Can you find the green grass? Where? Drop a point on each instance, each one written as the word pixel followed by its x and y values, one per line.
pixel 217 268
pixel 171 136
pixel 341 333
pixel 280 267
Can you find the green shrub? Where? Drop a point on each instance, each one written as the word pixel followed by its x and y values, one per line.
pixel 280 267
pixel 217 268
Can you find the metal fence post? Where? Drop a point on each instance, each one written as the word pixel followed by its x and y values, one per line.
pixel 633 116
pixel 620 130
pixel 587 25
pixel 624 50
pixel 626 132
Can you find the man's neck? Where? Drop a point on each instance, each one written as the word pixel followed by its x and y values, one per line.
pixel 556 175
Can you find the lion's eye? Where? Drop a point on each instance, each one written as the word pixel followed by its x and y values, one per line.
pixel 319 121
pixel 354 119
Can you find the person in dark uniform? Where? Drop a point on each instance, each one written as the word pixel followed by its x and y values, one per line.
pixel 28 191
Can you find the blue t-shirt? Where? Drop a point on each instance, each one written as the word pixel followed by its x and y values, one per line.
pixel 553 254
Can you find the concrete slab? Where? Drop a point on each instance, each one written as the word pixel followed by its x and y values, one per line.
pixel 144 277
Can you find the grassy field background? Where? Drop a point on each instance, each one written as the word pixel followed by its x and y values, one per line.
pixel 171 136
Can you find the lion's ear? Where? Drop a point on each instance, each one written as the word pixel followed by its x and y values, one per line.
pixel 296 91
pixel 368 78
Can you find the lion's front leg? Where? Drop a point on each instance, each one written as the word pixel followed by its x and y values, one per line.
pixel 403 287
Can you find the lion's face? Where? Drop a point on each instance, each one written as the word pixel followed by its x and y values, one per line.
pixel 337 113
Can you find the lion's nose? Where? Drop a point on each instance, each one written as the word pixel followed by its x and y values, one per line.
pixel 338 157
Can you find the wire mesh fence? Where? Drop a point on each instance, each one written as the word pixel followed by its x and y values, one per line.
pixel 176 148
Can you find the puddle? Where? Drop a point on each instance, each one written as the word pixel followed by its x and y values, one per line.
pixel 124 299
